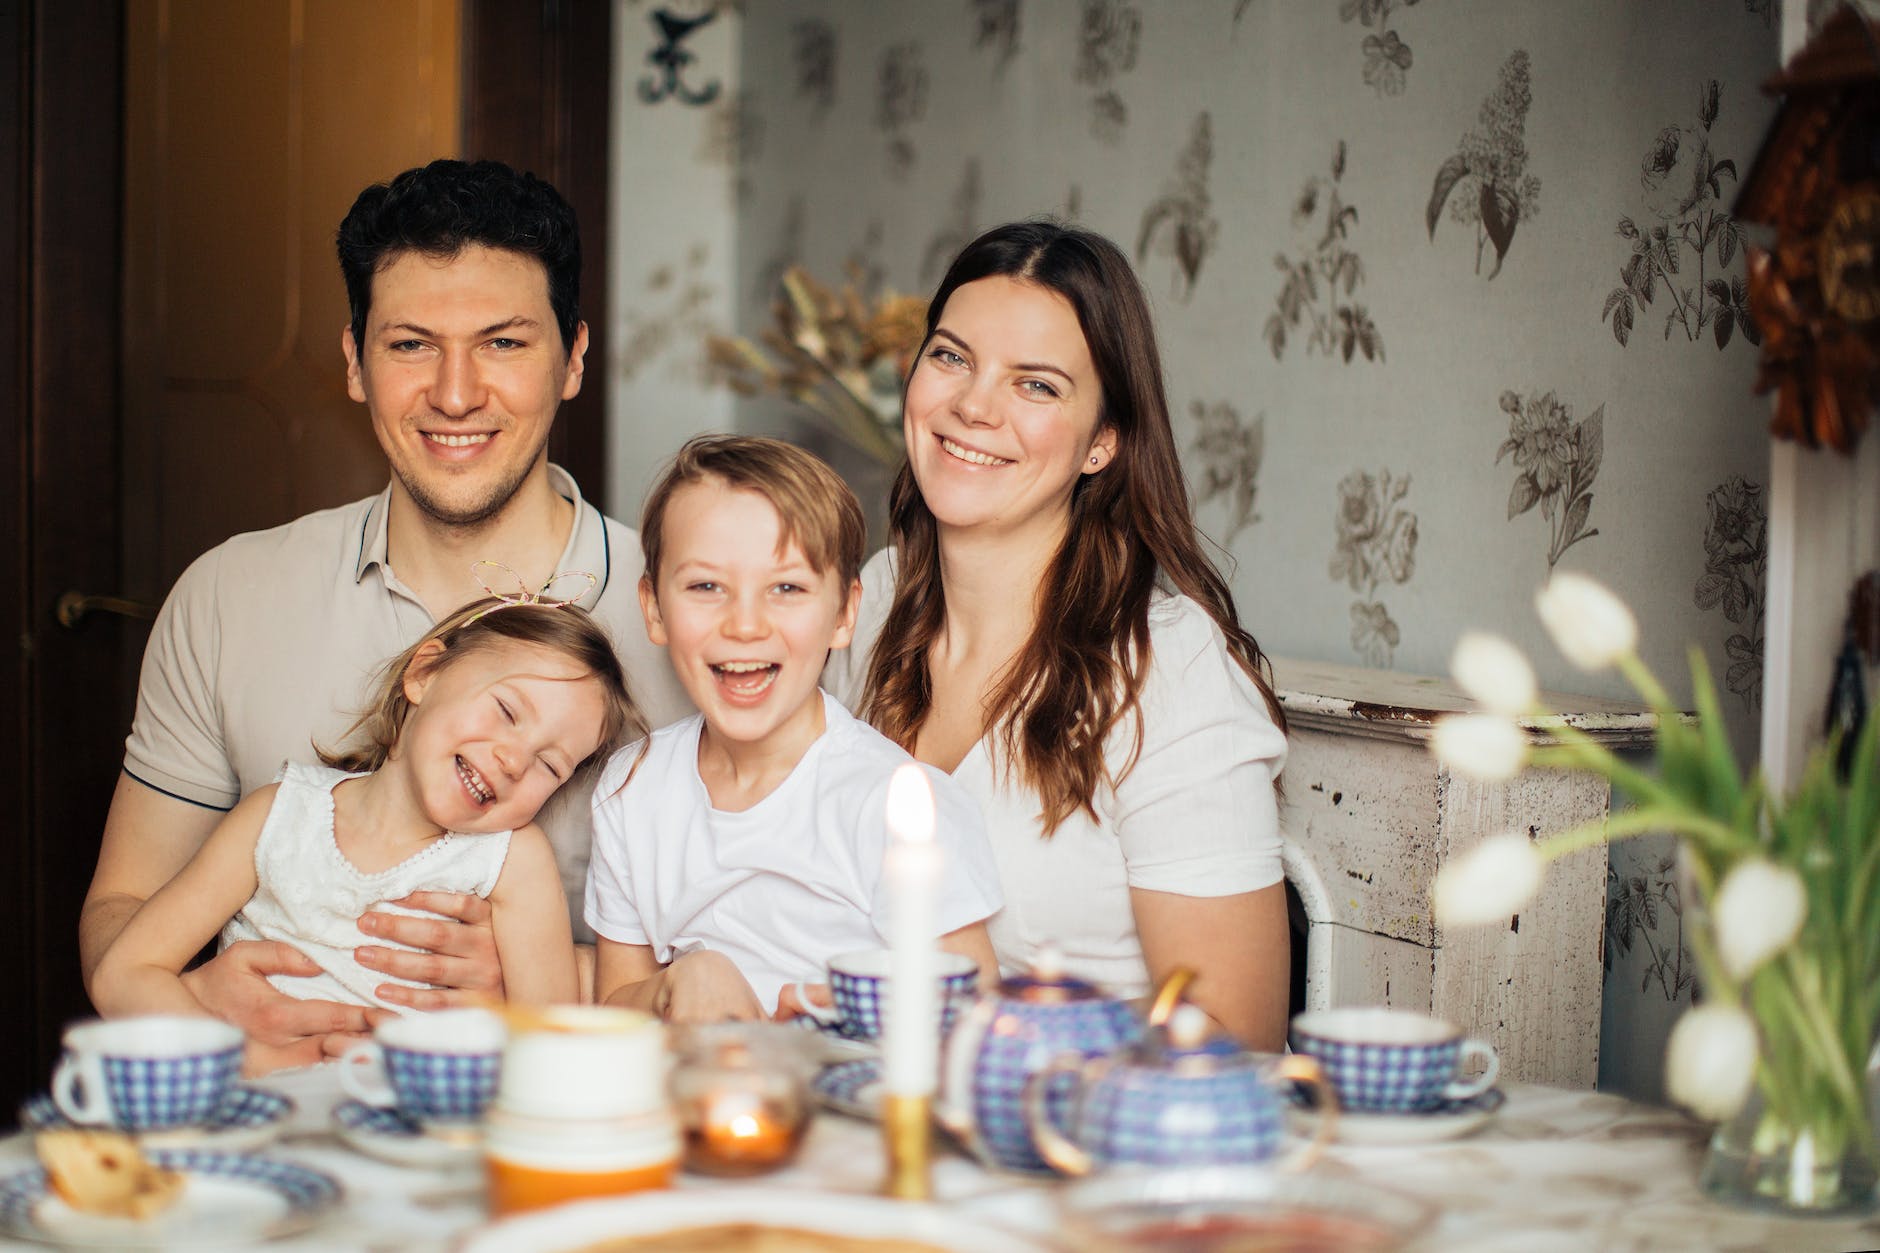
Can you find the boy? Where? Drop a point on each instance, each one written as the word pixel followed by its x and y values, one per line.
pixel 735 852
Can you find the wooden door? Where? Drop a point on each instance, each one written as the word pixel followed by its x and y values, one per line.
pixel 181 167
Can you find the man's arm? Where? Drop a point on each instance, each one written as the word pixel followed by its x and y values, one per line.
pixel 148 837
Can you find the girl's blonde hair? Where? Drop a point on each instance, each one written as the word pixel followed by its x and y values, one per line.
pixel 485 624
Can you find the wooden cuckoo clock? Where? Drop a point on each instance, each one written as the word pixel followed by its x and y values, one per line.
pixel 1815 293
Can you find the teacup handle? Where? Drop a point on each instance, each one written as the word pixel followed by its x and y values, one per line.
pixel 1463 1089
pixel 81 1073
pixel 1299 1068
pixel 362 1074
pixel 827 1015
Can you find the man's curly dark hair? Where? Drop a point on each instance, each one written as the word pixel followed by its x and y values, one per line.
pixel 441 208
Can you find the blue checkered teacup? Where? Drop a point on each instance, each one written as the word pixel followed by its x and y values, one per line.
pixel 435 1069
pixel 147 1073
pixel 858 983
pixel 1392 1061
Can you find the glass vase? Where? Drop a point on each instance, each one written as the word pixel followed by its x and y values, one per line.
pixel 1804 1162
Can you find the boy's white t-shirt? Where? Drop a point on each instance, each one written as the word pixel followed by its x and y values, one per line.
pixel 781 887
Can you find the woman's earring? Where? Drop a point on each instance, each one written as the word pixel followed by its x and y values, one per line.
pixel 1094 459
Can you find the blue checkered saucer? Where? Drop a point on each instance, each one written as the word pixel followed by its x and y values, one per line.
pixel 247 1118
pixel 851 1087
pixel 381 1132
pixel 228 1198
pixel 1447 1121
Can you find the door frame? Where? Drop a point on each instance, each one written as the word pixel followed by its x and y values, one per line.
pixel 61 131
pixel 536 95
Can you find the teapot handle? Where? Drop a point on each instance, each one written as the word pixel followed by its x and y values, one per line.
pixel 1053 1145
pixel 1303 1069
pixel 1169 995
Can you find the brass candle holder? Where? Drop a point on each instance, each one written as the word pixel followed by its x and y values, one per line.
pixel 907 1125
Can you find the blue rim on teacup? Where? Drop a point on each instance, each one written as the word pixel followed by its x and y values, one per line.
pixel 1392 1061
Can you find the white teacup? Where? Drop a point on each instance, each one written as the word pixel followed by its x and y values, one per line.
pixel 585 1062
pixel 147 1073
pixel 1392 1061
pixel 858 984
pixel 435 1068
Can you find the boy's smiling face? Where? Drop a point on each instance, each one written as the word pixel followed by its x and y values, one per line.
pixel 746 619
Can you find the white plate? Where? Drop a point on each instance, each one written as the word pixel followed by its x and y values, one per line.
pixel 383 1134
pixel 228 1198
pixel 571 1227
pixel 1458 1118
pixel 248 1118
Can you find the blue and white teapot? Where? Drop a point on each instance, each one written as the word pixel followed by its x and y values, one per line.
pixel 1180 1096
pixel 1008 1035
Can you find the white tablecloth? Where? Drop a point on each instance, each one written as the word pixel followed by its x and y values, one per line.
pixel 1555 1170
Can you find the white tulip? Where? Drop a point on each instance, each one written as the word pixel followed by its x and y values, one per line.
pixel 1483 746
pixel 1494 672
pixel 1710 1063
pixel 1591 626
pixel 1490 883
pixel 1758 910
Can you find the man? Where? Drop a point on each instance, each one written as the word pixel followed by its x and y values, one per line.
pixel 465 337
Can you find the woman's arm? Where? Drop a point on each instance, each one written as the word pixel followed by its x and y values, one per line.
pixel 1198 820
pixel 1239 948
pixel 529 915
pixel 700 986
pixel 972 941
pixel 140 973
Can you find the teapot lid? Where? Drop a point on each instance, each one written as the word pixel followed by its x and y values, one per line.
pixel 1188 1044
pixel 1046 983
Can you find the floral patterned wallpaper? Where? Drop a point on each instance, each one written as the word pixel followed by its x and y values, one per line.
pixel 1302 183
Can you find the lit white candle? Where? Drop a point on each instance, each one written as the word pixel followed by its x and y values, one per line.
pixel 911 1047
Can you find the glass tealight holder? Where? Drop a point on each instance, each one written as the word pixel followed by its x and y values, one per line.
pixel 741 1094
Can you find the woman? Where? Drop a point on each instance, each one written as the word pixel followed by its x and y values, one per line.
pixel 1058 641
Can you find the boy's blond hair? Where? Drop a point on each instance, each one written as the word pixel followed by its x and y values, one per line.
pixel 816 510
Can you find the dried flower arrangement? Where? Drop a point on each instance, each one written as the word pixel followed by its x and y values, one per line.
pixel 839 354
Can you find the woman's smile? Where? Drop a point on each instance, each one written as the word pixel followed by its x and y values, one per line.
pixel 972 455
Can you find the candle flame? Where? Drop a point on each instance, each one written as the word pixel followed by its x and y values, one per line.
pixel 745 1126
pixel 910 804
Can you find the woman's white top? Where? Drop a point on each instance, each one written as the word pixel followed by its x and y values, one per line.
pixel 1196 816
pixel 781 887
pixel 309 895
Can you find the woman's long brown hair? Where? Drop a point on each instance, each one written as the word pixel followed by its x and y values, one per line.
pixel 1083 667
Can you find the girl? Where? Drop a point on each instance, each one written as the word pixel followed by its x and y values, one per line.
pixel 476 726
pixel 1048 630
